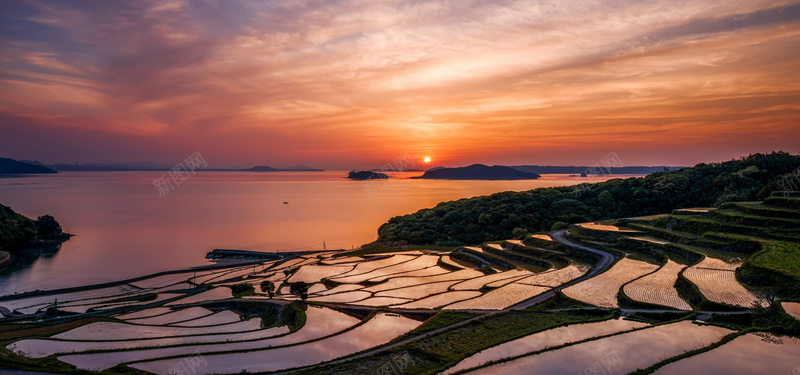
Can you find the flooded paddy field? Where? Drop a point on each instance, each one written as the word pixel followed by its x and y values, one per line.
pixel 317 311
pixel 619 354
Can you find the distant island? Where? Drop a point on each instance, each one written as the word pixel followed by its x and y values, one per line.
pixel 478 172
pixel 298 168
pixel 366 175
pixel 11 166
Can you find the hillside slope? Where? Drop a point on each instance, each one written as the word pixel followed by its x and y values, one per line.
pixel 478 172
pixel 11 166
pixel 480 219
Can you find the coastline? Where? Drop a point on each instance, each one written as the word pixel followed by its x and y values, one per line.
pixel 6 259
pixel 259 206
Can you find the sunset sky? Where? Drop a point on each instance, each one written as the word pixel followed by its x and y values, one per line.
pixel 353 84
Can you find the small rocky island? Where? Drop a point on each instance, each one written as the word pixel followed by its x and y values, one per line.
pixel 478 172
pixel 366 175
pixel 18 232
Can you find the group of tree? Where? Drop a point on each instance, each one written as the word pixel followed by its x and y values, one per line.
pixel 479 219
pixel 17 231
pixel 298 289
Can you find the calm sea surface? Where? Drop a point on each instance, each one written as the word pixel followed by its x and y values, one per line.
pixel 124 229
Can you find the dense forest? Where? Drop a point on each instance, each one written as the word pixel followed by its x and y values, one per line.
pixel 17 231
pixel 493 217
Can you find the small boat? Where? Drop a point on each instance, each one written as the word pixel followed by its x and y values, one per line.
pixel 285 202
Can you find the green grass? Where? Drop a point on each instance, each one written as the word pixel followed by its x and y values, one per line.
pixel 664 234
pixel 437 352
pixel 695 254
pixel 560 301
pixel 731 242
pixel 660 317
pixel 764 210
pixel 442 319
pixel 538 242
pixel 790 203
pixel 782 256
pixel 702 224
pixel 743 218
pixel 243 289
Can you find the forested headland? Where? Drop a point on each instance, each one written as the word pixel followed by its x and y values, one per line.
pixel 485 218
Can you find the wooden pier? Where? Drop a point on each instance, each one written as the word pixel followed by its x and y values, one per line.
pixel 256 255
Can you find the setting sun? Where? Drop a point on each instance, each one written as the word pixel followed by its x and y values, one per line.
pixel 284 133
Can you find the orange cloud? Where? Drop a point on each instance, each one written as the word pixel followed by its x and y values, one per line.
pixel 343 83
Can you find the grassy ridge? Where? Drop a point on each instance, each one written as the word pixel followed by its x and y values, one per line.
pixel 777 267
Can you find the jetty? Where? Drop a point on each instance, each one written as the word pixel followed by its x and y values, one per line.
pixel 243 254
pixel 257 255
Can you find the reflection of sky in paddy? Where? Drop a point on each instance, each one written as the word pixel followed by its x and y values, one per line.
pixel 378 330
pixel 440 299
pixel 749 354
pixel 542 340
pixel 320 322
pixel 633 350
pixel 792 308
pixel 125 331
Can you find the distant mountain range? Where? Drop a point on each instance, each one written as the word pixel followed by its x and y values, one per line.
pixel 298 168
pixel 11 166
pixel 478 172
pixel 153 166
pixel 104 167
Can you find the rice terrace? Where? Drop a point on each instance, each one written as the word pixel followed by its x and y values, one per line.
pixel 424 187
pixel 671 288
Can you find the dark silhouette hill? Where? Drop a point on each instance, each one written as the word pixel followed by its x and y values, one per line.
pixel 11 166
pixel 478 172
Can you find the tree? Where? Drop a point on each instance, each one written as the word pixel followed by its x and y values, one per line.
pixel 243 289
pixel 16 230
pixel 48 227
pixel 606 200
pixel 519 233
pixel 268 287
pixel 299 289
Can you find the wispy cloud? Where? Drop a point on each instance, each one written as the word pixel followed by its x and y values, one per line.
pixel 465 79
